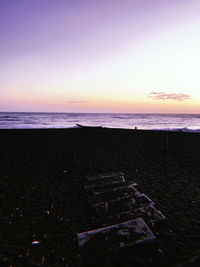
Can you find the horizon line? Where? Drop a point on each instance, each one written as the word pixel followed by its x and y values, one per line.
pixel 59 112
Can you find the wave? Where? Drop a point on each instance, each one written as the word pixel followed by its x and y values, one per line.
pixel 185 129
pixel 159 122
pixel 121 117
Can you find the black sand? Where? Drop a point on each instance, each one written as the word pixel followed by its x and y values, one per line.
pixel 42 175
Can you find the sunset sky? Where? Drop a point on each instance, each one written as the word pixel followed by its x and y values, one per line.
pixel 100 55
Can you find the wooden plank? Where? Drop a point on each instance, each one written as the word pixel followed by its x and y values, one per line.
pixel 110 208
pixel 102 182
pixel 115 193
pixel 148 213
pixel 111 187
pixel 104 175
pixel 114 237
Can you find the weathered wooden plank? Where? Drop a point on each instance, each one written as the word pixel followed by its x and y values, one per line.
pixel 104 175
pixel 148 213
pixel 102 182
pixel 114 236
pixel 110 208
pixel 111 187
pixel 113 194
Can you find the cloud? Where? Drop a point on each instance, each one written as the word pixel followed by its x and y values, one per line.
pixel 74 102
pixel 172 96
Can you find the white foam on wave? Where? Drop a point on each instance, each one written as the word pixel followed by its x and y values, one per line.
pixel 185 129
pixel 164 122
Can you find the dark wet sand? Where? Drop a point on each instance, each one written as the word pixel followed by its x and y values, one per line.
pixel 42 174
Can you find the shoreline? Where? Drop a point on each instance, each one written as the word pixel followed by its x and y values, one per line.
pixel 155 122
pixel 43 199
pixel 107 128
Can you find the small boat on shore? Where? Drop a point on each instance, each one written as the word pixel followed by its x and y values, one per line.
pixel 84 126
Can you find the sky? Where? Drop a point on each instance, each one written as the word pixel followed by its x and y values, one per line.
pixel 139 56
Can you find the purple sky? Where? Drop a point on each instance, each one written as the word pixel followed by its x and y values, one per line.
pixel 48 48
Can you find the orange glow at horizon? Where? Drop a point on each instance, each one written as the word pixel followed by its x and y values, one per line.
pixel 102 104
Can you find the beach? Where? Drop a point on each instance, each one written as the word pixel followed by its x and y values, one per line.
pixel 44 205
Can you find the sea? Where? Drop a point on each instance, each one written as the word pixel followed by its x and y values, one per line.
pixel 36 120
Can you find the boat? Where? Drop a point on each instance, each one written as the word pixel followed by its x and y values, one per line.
pixel 84 126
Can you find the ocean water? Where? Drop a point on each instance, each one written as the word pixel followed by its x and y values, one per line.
pixel 173 122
